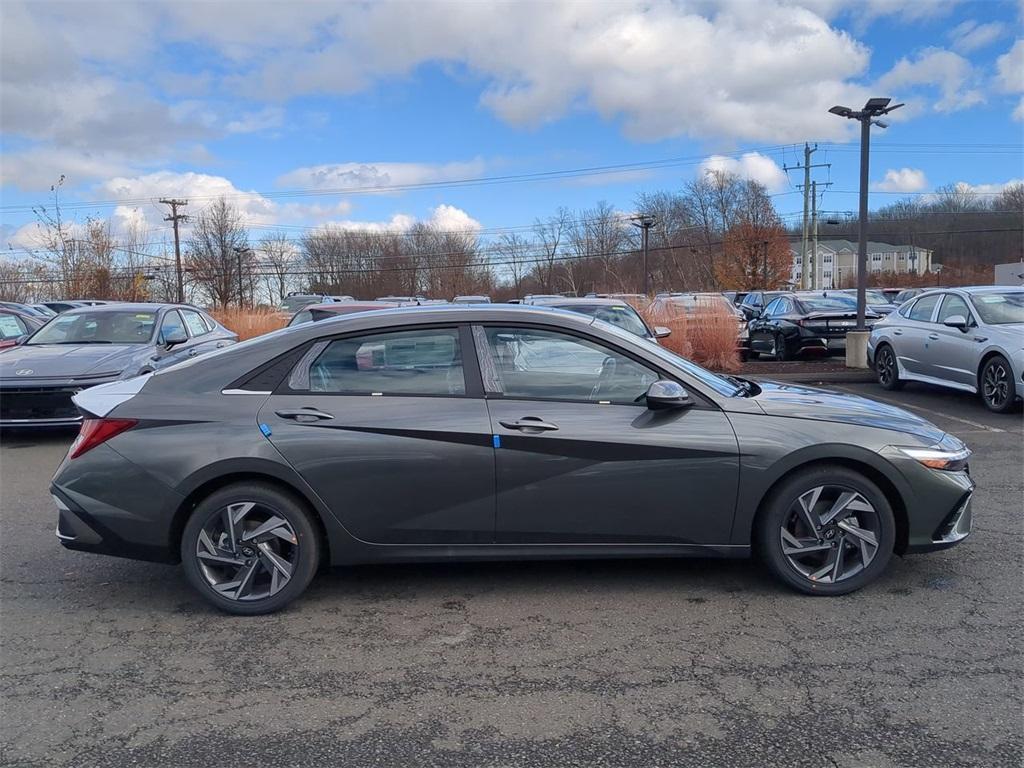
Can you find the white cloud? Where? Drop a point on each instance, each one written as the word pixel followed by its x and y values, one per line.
pixel 989 189
pixel 970 36
pixel 1018 113
pixel 261 120
pixel 951 74
pixel 751 165
pixel 356 176
pixel 1010 69
pixel 36 169
pixel 902 180
pixel 448 218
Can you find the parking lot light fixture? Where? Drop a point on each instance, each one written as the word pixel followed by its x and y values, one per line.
pixel 868 116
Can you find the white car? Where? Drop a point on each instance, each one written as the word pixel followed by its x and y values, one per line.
pixel 964 338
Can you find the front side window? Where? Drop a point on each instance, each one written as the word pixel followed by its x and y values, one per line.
pixel 171 325
pixel 102 327
pixel 196 326
pixel 549 365
pixel 301 317
pixel 953 305
pixel 419 362
pixel 923 308
pixel 772 308
pixel 622 315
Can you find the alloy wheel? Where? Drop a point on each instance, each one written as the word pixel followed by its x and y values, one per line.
pixel 995 385
pixel 246 551
pixel 830 534
pixel 886 366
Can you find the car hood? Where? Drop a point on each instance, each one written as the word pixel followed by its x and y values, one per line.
pixel 61 361
pixel 796 401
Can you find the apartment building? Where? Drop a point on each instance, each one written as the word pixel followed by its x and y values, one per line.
pixel 836 261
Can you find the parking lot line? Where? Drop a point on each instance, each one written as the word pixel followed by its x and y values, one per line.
pixel 929 411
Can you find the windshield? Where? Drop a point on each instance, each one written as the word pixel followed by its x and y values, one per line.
pixel 620 315
pixel 711 380
pixel 827 303
pixel 295 303
pixel 1000 308
pixel 105 327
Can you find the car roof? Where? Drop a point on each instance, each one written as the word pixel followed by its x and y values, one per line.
pixel 339 306
pixel 579 301
pixel 976 289
pixel 129 307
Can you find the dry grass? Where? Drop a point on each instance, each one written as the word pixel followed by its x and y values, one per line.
pixel 669 316
pixel 712 333
pixel 249 322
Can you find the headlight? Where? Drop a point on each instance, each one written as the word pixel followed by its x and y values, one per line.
pixel 940 458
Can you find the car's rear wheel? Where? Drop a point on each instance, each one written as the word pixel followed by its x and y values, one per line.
pixel 827 530
pixel 997 389
pixel 250 548
pixel 886 368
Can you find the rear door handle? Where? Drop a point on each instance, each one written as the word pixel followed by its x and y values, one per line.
pixel 529 423
pixel 933 336
pixel 298 414
pixel 897 332
pixel 193 352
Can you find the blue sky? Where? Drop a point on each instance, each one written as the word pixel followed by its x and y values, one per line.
pixel 134 102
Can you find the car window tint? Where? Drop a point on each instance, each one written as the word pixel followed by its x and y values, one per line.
pixel 196 326
pixel 771 309
pixel 422 362
pixel 11 327
pixel 923 307
pixel 549 365
pixel 171 324
pixel 953 305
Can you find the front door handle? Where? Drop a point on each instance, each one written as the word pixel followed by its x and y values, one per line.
pixel 933 336
pixel 193 352
pixel 298 414
pixel 897 332
pixel 529 424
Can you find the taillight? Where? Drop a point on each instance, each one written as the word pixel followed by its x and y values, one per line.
pixel 97 431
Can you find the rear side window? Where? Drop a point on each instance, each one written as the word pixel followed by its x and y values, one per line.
pixel 301 317
pixel 923 308
pixel 196 326
pixel 420 362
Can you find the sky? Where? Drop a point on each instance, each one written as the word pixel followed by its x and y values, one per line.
pixel 486 116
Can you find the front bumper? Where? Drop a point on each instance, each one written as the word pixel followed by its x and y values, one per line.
pixel 44 403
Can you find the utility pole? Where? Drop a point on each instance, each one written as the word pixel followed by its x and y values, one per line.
pixel 816 283
pixel 764 263
pixel 241 291
pixel 175 217
pixel 806 167
pixel 644 222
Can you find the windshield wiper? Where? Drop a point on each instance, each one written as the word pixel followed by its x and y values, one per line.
pixel 85 341
pixel 742 386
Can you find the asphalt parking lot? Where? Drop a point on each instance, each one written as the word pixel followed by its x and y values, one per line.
pixel 647 663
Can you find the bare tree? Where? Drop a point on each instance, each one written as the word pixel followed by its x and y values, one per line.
pixel 513 251
pixel 217 249
pixel 278 256
pixel 550 234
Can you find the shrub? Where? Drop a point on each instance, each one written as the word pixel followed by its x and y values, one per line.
pixel 712 334
pixel 672 317
pixel 249 322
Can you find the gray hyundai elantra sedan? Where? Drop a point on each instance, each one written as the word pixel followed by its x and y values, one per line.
pixel 486 433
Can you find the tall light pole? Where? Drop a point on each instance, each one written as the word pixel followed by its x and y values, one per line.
pixel 644 222
pixel 867 117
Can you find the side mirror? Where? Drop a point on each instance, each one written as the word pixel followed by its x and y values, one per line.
pixel 660 332
pixel 956 321
pixel 175 337
pixel 664 395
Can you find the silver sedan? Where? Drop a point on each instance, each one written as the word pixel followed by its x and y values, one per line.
pixel 964 338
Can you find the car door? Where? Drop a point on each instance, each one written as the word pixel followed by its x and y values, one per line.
pixel 580 460
pixel 761 328
pixel 201 338
pixel 954 353
pixel 391 431
pixel 910 339
pixel 171 322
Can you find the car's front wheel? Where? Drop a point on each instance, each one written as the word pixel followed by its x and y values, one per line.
pixel 998 391
pixel 826 530
pixel 250 548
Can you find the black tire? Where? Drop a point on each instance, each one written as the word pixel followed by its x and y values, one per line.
pixel 269 500
pixel 886 369
pixel 778 507
pixel 781 350
pixel 996 385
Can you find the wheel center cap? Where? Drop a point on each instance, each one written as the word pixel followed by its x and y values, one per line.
pixel 248 551
pixel 830 533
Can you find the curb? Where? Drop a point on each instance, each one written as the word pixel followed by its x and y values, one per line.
pixel 831 377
